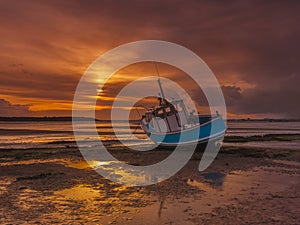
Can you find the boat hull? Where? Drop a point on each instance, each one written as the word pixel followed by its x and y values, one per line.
pixel 212 130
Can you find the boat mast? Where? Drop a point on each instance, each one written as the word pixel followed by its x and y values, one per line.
pixel 161 90
pixel 159 83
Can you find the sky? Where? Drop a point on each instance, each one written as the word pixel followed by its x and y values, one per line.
pixel 251 46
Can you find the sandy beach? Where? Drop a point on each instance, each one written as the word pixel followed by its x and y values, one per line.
pixel 242 186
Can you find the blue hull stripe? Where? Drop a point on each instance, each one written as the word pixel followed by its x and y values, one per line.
pixel 212 129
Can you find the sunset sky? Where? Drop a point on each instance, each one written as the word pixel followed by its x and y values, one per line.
pixel 251 46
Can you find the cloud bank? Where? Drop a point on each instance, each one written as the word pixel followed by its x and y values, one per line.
pixel 251 46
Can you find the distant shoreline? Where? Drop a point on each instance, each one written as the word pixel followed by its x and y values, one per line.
pixel 42 119
pixel 263 120
pixel 68 118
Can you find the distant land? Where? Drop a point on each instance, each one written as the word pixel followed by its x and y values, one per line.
pixel 38 119
pixel 68 118
pixel 263 120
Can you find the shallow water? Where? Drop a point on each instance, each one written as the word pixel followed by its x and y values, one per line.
pixel 218 190
pixel 79 193
pixel 70 192
pixel 15 135
pixel 267 144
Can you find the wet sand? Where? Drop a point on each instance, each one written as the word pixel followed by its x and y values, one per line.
pixel 242 186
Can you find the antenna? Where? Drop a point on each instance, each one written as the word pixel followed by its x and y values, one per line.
pixel 156 69
pixel 159 83
pixel 161 90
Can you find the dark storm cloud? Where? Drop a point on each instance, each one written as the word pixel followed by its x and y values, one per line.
pixel 282 98
pixel 6 108
pixel 232 95
pixel 22 83
pixel 251 46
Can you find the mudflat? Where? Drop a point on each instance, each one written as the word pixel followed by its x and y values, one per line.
pixel 242 186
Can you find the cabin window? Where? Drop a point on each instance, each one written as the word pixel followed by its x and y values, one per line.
pixel 170 111
pixel 179 108
pixel 159 113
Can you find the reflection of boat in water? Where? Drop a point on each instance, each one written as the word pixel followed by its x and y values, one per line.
pixel 170 124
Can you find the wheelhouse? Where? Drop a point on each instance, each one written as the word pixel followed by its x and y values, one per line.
pixel 167 117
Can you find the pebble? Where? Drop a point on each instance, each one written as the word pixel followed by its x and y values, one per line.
pixel 22 188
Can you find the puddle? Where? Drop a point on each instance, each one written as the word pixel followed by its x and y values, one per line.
pixel 78 164
pixel 115 170
pixel 208 181
pixel 214 179
pixel 261 179
pixel 31 161
pixel 95 204
pixel 201 185
pixel 116 204
pixel 4 183
pixel 240 185
pixel 82 165
pixel 217 190
pixel 88 165
pixel 79 193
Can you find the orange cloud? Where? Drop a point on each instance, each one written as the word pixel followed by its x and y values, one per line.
pixel 46 47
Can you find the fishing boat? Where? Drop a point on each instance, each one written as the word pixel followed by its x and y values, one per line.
pixel 170 124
